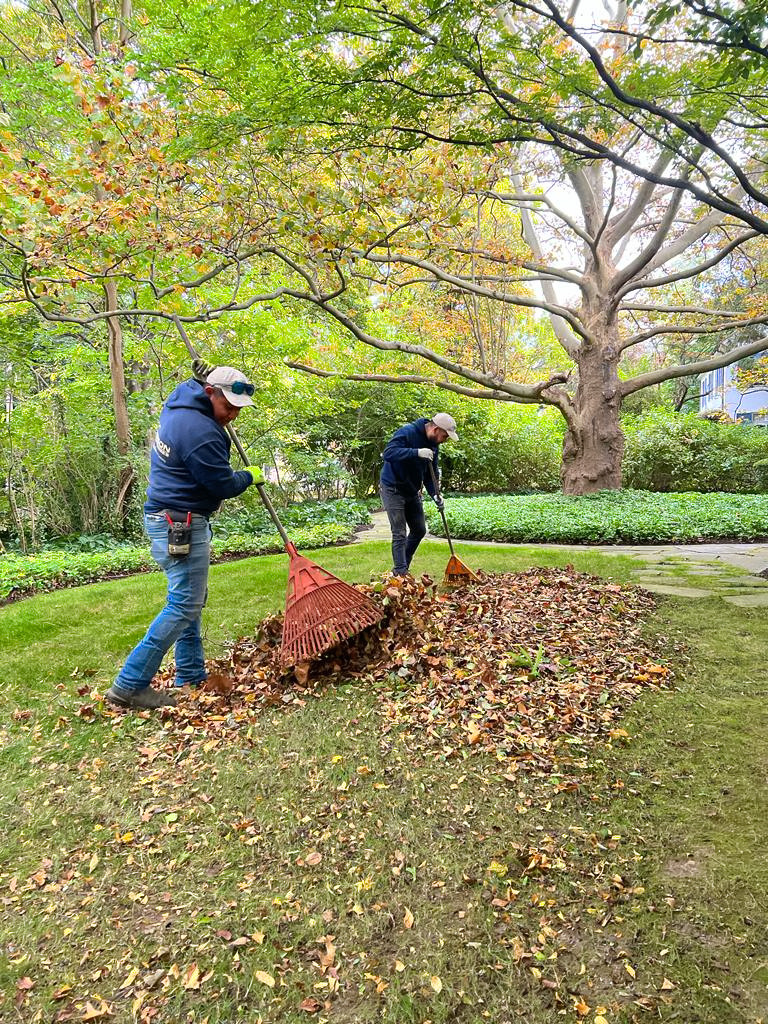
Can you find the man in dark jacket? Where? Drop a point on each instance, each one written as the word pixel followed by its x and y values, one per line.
pixel 407 460
pixel 189 475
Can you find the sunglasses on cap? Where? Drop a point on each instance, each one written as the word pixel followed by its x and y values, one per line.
pixel 240 387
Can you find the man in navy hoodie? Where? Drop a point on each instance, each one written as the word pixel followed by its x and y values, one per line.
pixel 189 475
pixel 407 460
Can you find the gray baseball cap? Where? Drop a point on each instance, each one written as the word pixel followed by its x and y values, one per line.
pixel 446 423
pixel 235 385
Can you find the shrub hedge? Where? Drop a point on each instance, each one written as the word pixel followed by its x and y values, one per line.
pixel 673 452
pixel 610 517
pixel 518 450
pixel 62 566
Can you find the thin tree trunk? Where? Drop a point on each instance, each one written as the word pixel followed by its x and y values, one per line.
pixel 122 422
pixel 15 514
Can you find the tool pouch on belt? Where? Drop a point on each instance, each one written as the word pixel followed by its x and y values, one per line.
pixel 179 532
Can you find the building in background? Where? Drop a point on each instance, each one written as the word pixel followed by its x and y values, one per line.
pixel 720 395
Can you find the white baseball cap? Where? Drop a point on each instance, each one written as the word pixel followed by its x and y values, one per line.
pixel 446 423
pixel 235 385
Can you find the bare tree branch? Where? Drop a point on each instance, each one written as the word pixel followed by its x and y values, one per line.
pixel 645 380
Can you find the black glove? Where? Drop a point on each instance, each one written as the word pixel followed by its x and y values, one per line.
pixel 200 369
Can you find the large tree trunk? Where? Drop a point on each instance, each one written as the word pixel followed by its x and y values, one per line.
pixel 593 447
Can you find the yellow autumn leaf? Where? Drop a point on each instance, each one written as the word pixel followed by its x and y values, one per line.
pixel 264 978
pixel 399 966
pixel 436 984
pixel 629 969
pixel 92 1012
pixel 666 985
pixel 600 1019
pixel 191 979
pixel 130 977
pixel 408 919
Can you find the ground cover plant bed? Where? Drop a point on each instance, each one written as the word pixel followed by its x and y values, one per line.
pixel 23 575
pixel 609 517
pixel 312 851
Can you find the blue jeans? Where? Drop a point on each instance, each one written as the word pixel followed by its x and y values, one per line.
pixel 179 622
pixel 403 513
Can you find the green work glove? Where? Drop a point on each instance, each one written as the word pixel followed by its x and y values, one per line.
pixel 258 476
pixel 200 369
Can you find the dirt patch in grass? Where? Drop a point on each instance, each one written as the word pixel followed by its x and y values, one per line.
pixel 692 866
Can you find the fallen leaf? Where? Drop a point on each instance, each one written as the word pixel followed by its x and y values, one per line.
pixel 310 1005
pixel 264 978
pixel 191 978
pixel 92 1012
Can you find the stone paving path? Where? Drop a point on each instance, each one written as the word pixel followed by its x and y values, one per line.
pixel 684 570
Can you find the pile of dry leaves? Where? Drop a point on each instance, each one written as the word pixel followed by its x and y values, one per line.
pixel 528 665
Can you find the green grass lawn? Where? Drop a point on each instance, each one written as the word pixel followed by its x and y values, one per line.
pixel 142 885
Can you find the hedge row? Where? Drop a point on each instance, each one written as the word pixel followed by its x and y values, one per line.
pixel 49 570
pixel 513 450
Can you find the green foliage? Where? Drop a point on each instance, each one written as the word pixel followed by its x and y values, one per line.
pixel 676 452
pixel 248 516
pixel 86 559
pixel 610 517
pixel 503 448
pixel 58 451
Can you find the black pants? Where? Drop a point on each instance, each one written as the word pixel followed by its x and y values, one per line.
pixel 408 525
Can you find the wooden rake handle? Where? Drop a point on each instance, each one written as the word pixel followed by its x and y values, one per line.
pixel 441 510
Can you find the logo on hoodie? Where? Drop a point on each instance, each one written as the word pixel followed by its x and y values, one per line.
pixel 162 449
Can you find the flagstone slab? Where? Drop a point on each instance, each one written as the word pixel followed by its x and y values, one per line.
pixel 664 588
pixel 661 579
pixel 756 600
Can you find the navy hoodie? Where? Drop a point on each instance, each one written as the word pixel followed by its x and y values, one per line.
pixel 403 469
pixel 189 468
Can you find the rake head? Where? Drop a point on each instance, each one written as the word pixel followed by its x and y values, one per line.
pixel 320 611
pixel 457 574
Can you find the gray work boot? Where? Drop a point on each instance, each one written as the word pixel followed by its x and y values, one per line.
pixel 140 700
